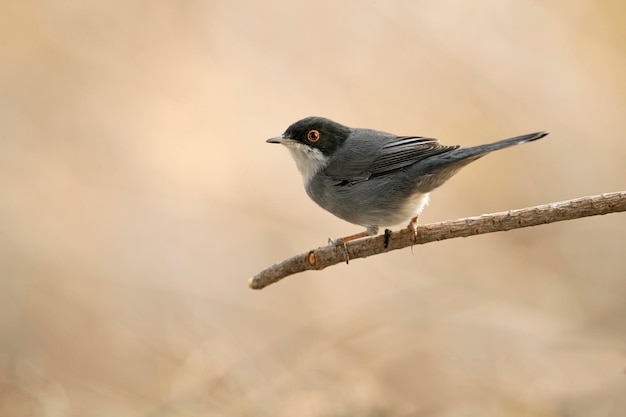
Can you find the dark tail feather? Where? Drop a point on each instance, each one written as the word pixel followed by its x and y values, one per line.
pixel 510 142
pixel 443 166
pixel 467 155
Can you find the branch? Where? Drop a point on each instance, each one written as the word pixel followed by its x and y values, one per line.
pixel 322 257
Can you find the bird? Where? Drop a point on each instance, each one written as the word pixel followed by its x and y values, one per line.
pixel 373 178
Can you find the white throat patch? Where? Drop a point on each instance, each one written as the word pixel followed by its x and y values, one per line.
pixel 308 160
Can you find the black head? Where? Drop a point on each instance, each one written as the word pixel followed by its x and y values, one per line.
pixel 319 133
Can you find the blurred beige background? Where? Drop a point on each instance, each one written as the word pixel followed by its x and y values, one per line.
pixel 138 196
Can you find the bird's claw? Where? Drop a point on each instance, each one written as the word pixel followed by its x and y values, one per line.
pixel 387 236
pixel 340 243
pixel 413 225
pixel 336 242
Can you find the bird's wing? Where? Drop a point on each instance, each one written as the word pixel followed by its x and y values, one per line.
pixel 404 151
pixel 378 154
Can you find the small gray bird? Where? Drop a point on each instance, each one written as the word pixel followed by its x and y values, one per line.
pixel 373 178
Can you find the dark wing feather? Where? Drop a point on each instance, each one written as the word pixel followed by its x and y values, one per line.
pixel 404 151
pixel 379 153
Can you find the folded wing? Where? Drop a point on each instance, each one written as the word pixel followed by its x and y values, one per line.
pixel 379 153
pixel 404 151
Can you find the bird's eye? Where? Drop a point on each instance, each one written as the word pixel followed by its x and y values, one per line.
pixel 313 136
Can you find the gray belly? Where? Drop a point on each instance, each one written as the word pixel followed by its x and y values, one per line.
pixel 379 201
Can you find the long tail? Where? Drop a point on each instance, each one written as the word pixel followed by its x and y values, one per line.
pixel 480 150
pixel 476 152
pixel 436 170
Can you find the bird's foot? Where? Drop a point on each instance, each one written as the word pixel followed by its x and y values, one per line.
pixel 343 240
pixel 387 236
pixel 413 226
pixel 340 243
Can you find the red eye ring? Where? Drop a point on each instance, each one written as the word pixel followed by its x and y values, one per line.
pixel 313 135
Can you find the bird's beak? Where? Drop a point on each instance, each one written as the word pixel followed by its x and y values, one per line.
pixel 276 139
pixel 280 139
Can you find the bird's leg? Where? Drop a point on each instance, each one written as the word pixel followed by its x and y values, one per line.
pixel 413 225
pixel 343 240
pixel 371 231
pixel 387 236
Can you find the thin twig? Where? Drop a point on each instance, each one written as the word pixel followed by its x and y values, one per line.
pixel 325 256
